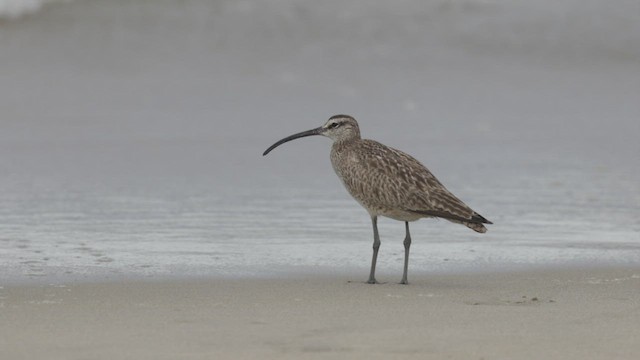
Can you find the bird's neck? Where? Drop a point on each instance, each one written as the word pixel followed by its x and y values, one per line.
pixel 353 136
pixel 339 144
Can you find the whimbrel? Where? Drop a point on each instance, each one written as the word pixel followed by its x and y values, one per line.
pixel 388 182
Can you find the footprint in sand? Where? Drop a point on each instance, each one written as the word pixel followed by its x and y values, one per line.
pixel 522 301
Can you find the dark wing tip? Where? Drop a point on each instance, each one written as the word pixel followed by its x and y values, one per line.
pixel 479 219
pixel 475 218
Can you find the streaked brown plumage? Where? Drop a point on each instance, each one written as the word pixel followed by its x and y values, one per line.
pixel 387 182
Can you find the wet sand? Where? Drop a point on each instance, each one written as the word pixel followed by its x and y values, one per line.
pixel 551 314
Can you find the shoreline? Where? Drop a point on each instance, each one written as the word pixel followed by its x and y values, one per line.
pixel 558 313
pixel 65 276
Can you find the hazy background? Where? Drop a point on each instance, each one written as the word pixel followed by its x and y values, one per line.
pixel 131 133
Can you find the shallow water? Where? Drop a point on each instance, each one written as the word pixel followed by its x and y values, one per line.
pixel 133 132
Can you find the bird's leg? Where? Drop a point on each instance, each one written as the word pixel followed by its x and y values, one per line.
pixel 376 246
pixel 407 245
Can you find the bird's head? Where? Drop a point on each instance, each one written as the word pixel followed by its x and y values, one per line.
pixel 341 127
pixel 337 128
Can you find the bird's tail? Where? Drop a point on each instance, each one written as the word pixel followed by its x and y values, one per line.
pixel 475 227
pixel 476 223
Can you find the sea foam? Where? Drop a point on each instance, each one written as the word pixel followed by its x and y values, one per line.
pixel 12 9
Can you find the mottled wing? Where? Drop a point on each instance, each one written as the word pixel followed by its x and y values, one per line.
pixel 410 185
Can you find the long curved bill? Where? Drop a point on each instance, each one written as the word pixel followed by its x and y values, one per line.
pixel 316 131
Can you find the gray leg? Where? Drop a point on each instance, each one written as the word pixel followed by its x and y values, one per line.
pixel 407 245
pixel 376 246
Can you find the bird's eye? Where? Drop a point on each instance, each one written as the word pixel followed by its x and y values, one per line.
pixel 334 125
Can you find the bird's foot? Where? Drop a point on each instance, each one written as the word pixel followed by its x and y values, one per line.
pixel 372 281
pixel 404 282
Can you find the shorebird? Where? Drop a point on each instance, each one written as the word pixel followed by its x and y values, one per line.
pixel 387 182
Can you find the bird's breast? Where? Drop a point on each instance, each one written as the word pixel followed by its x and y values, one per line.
pixel 355 177
pixel 346 164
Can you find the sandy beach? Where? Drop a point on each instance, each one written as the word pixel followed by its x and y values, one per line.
pixel 551 314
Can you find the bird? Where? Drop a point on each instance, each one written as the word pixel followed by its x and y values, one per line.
pixel 389 183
